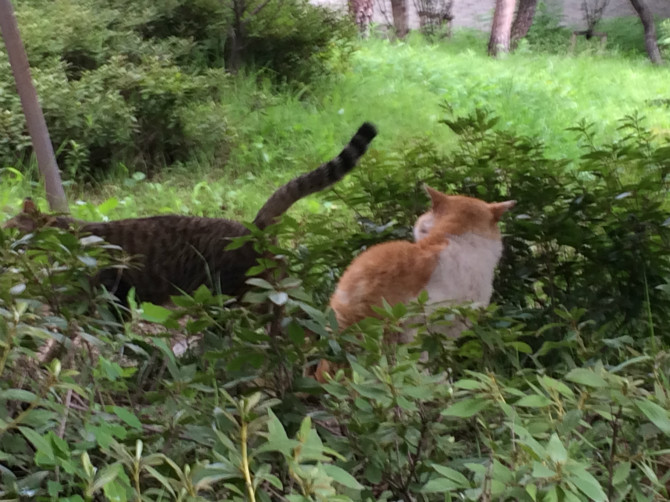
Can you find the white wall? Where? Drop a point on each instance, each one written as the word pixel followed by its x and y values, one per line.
pixel 478 13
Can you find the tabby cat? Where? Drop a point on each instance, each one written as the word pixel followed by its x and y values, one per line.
pixel 458 245
pixel 175 253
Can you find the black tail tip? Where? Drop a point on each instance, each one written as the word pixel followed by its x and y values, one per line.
pixel 368 131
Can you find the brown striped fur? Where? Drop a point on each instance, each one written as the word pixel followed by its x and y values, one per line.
pixel 176 253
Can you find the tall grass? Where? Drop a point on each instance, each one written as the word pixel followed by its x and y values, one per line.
pixel 399 86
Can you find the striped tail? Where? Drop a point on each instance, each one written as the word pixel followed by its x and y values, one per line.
pixel 318 179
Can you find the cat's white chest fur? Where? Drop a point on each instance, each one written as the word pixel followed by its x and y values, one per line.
pixel 465 269
pixel 463 275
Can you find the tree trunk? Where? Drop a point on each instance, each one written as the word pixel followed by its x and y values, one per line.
pixel 37 127
pixel 501 27
pixel 361 12
pixel 647 19
pixel 523 20
pixel 236 39
pixel 400 20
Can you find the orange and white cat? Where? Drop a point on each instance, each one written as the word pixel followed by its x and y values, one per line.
pixel 458 245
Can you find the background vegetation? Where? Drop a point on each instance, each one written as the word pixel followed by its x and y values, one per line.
pixel 560 390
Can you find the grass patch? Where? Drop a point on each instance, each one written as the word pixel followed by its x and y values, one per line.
pixel 400 87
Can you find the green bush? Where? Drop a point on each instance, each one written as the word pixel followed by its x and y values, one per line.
pixel 608 208
pixel 664 34
pixel 138 84
pixel 557 392
pixel 298 42
pixel 546 34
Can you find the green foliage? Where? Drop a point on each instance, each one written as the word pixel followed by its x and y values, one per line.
pixel 300 43
pixel 626 34
pixel 664 34
pixel 546 35
pixel 558 392
pixel 608 208
pixel 136 85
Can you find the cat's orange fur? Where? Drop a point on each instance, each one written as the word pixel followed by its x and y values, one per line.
pixel 458 244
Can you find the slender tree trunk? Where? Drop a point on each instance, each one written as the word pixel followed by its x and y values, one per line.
pixel 523 20
pixel 37 127
pixel 647 19
pixel 236 37
pixel 502 27
pixel 400 19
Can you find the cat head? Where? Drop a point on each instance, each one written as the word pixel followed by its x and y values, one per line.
pixel 31 218
pixel 458 214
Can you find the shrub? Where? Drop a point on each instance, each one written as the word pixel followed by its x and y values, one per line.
pixel 558 392
pixel 664 34
pixel 546 34
pixel 298 42
pixel 588 235
pixel 120 81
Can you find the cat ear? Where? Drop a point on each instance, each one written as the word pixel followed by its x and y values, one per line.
pixel 438 199
pixel 29 206
pixel 499 208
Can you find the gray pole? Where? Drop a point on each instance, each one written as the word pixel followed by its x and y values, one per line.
pixel 37 127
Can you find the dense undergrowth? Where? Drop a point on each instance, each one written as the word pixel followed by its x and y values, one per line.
pixel 558 392
pixel 139 87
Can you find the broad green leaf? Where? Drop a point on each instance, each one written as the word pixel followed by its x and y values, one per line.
pixel 478 469
pixel 469 384
pixel 586 377
pixel 466 408
pixel 342 476
pixel 155 313
pixel 541 471
pixel 41 443
pixel 60 446
pixel 373 473
pixel 560 387
pixel 159 477
pixel 633 360
pixel 373 391
pixel 108 205
pixel 534 401
pixel 18 395
pixel 556 450
pixel 406 404
pixel 588 485
pixel 277 438
pixel 127 416
pixel 621 473
pixel 452 474
pixel 502 473
pixel 115 491
pixel 522 347
pixel 263 474
pixel 87 465
pixel 105 475
pixel 261 283
pixel 571 496
pixel 552 495
pixel 649 472
pixel 439 485
pixel 532 491
pixel 526 439
pixel 657 415
pixel 275 428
